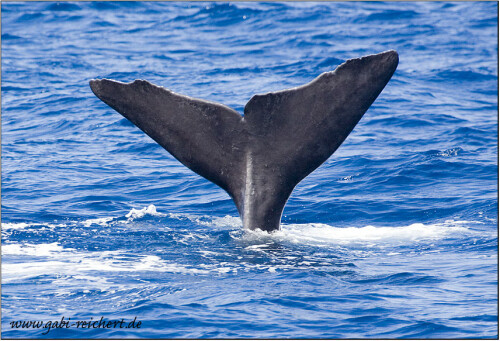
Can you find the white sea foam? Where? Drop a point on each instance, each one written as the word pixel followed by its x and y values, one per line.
pixel 32 249
pixel 150 210
pixel 226 221
pixel 53 259
pixel 15 226
pixel 321 234
pixel 133 214
pixel 326 234
pixel 87 266
pixel 98 221
pixel 205 220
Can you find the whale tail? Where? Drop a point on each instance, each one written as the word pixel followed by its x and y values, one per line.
pixel 259 158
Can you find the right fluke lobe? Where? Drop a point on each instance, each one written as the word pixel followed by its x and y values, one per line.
pixel 283 136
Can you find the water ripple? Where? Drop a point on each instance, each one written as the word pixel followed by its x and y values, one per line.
pixel 395 236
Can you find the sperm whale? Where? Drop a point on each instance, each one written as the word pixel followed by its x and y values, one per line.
pixel 260 157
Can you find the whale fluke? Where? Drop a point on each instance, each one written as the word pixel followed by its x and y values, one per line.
pixel 259 158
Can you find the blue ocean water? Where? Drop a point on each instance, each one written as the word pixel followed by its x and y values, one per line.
pixel 395 236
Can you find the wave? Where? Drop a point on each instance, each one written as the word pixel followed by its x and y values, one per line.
pixel 48 259
pixel 307 233
pixel 222 246
pixel 135 213
pixel 322 233
pixel 312 232
pixel 387 223
pixel 21 226
pixel 63 6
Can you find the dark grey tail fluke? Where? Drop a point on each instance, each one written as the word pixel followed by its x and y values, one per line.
pixel 259 158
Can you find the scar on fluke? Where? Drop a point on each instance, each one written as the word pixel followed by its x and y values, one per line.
pixel 283 136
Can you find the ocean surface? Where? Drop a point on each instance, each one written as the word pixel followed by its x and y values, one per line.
pixel 394 236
